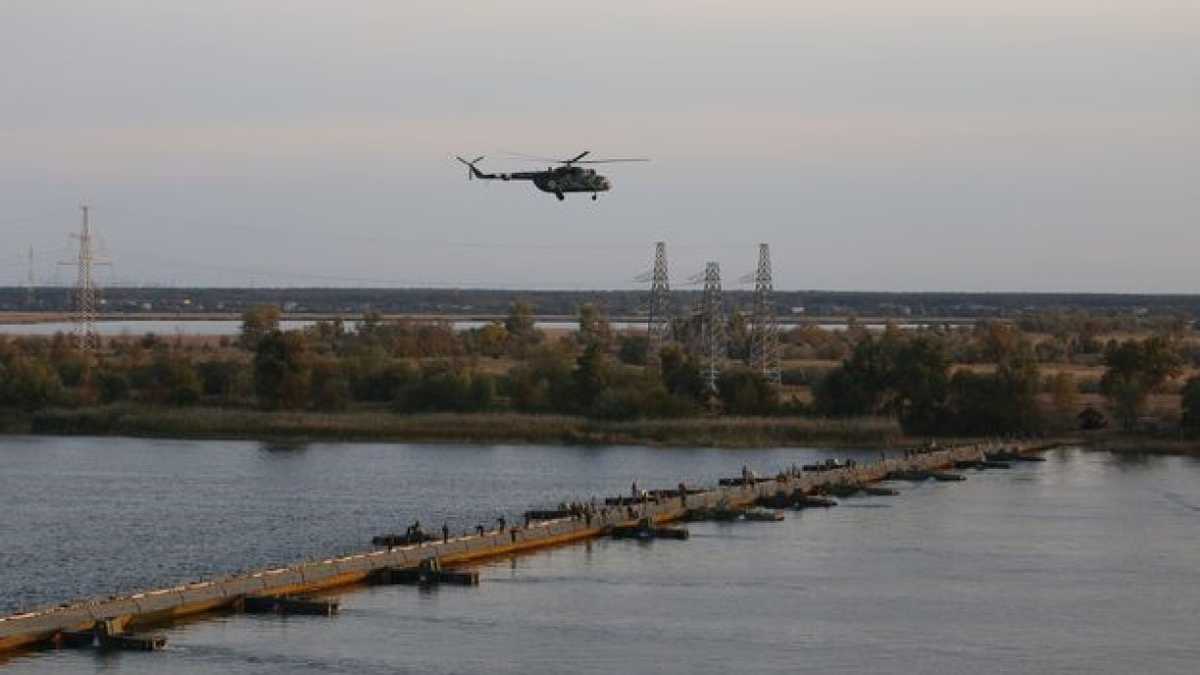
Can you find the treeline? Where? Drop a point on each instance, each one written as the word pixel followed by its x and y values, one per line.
pixel 981 380
pixel 418 367
pixel 404 366
pixel 910 375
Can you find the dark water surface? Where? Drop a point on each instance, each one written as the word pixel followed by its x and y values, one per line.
pixel 1087 563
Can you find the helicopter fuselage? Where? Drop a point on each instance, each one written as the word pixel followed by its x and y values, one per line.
pixel 557 181
pixel 570 179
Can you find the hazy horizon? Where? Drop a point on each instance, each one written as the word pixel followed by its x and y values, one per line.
pixel 938 146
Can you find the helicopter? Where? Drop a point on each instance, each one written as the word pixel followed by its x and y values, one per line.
pixel 568 176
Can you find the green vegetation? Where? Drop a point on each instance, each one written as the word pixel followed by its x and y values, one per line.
pixel 397 379
pixel 1137 368
pixel 909 375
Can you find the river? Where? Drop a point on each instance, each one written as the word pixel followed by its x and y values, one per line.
pixel 1085 563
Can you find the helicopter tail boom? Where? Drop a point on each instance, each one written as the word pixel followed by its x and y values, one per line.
pixel 472 171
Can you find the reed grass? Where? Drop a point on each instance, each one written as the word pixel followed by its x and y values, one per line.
pixel 472 428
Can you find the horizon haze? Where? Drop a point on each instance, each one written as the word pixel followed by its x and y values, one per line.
pixel 958 146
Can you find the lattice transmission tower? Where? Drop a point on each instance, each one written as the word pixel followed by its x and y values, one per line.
pixel 85 292
pixel 764 325
pixel 712 325
pixel 658 321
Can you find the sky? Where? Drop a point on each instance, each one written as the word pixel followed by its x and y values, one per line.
pixel 1010 145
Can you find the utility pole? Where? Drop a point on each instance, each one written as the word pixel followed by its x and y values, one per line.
pixel 712 316
pixel 658 323
pixel 86 337
pixel 764 326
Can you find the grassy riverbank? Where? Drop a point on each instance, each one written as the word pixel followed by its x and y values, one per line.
pixel 473 428
pixel 1147 444
pixel 378 425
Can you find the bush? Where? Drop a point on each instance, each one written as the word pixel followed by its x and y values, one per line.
pixel 220 378
pixel 543 384
pixel 1190 418
pixel 29 384
pixel 745 392
pixel 619 404
pixel 632 349
pixel 112 386
pixel 282 371
pixel 442 388
pixel 172 379
pixel 330 389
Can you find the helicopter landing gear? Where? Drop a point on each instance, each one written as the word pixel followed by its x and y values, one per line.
pixel 560 196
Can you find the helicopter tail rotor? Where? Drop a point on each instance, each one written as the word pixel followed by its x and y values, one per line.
pixel 471 170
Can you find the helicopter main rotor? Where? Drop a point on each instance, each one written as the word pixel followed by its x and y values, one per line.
pixel 578 159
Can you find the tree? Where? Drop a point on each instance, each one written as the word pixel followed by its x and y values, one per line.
pixel 998 340
pixel 257 322
pixel 112 385
pixel 921 383
pixel 632 349
pixel 327 336
pixel 681 374
pixel 374 376
pixel 1065 394
pixel 988 404
pixel 172 379
pixel 896 374
pixel 445 387
pixel 493 340
pixel 1135 370
pixel 738 338
pixel 282 372
pixel 591 375
pixel 330 389
pixel 221 378
pixel 746 392
pixel 863 385
pixel 28 383
pixel 543 383
pixel 1191 405
pixel 521 327
pixel 594 328
pixel 1019 378
pixel 1091 419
